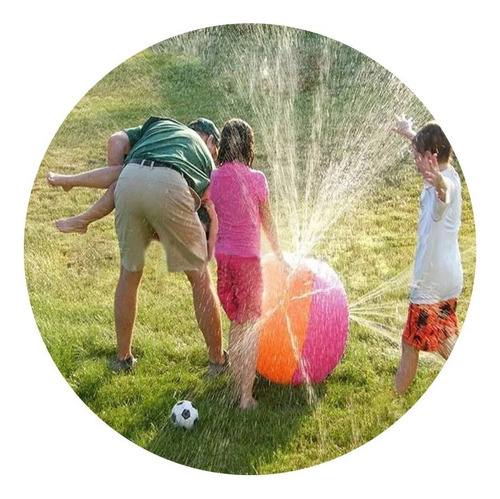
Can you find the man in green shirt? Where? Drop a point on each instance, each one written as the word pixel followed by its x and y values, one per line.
pixel 149 141
pixel 167 171
pixel 167 141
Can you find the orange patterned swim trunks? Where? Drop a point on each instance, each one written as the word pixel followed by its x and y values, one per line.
pixel 428 326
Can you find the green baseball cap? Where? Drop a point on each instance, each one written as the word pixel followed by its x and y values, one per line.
pixel 206 126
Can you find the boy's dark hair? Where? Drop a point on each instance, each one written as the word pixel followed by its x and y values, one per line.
pixel 432 138
pixel 236 142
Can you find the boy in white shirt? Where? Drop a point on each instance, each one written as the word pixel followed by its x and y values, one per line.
pixel 437 277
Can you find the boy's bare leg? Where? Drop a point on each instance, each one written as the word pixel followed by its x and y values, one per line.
pixel 101 208
pixel 407 368
pixel 99 178
pixel 446 347
pixel 243 353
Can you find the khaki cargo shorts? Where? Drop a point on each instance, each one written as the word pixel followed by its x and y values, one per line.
pixel 157 199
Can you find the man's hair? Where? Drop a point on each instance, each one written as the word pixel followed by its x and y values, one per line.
pixel 432 138
pixel 237 142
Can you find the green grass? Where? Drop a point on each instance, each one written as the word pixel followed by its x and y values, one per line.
pixel 71 280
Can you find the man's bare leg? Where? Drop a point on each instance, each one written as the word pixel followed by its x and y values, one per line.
pixel 126 310
pixel 207 312
pixel 101 208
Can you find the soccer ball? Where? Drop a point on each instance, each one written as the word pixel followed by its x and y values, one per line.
pixel 184 414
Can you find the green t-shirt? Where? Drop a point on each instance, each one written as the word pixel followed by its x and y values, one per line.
pixel 168 141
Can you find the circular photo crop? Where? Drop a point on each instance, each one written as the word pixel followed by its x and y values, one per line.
pixel 250 249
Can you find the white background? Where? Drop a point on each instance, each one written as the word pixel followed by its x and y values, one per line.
pixel 53 53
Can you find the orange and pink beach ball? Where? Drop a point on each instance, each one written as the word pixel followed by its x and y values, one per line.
pixel 305 322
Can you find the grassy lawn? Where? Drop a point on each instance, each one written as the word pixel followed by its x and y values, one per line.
pixel 368 237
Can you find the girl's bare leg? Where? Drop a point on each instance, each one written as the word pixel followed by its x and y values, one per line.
pixel 101 208
pixel 243 354
pixel 407 368
pixel 99 178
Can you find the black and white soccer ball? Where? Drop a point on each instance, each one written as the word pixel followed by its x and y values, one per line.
pixel 184 414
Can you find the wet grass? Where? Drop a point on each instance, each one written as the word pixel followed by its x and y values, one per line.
pixel 71 280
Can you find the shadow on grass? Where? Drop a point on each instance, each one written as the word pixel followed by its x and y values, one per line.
pixel 229 440
pixel 292 428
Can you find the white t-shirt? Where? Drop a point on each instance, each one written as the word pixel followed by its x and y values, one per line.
pixel 437 273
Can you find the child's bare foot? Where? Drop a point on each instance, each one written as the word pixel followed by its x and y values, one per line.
pixel 249 403
pixel 56 180
pixel 72 224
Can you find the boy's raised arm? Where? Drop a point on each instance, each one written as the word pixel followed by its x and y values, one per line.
pixel 404 126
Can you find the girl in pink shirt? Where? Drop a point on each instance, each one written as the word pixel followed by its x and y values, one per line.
pixel 241 199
